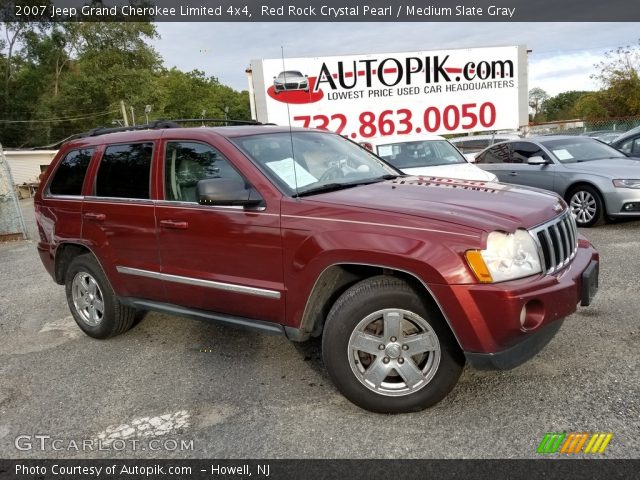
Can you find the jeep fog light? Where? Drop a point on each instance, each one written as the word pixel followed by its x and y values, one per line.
pixel 523 315
pixel 531 315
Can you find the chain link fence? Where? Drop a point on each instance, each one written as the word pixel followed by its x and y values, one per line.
pixel 608 128
pixel 12 226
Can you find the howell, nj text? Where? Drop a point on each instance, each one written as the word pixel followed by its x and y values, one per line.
pixel 244 470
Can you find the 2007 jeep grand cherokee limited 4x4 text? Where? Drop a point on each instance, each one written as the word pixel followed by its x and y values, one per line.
pixel 304 233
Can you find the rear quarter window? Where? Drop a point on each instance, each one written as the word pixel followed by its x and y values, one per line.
pixel 69 176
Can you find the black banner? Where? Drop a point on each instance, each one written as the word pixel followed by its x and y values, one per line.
pixel 321 11
pixel 565 469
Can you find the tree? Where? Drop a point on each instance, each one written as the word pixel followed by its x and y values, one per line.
pixel 561 106
pixel 70 77
pixel 591 106
pixel 188 95
pixel 536 97
pixel 619 76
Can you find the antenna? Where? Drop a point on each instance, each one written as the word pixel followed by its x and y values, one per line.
pixel 293 156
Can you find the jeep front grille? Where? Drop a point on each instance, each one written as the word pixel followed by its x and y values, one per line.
pixel 557 242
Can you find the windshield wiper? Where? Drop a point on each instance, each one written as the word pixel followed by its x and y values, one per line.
pixel 327 187
pixel 331 187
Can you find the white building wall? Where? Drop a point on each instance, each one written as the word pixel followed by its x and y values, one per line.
pixel 25 164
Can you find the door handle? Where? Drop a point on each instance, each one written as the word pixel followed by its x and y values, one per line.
pixel 174 224
pixel 98 217
pixel 513 174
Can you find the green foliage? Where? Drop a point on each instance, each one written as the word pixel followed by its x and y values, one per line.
pixel 590 106
pixel 61 79
pixel 562 106
pixel 619 77
pixel 536 97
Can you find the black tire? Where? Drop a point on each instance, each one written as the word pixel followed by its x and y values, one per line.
pixel 99 314
pixel 380 296
pixel 581 200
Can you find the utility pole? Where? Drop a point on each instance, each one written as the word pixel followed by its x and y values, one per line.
pixel 147 111
pixel 124 113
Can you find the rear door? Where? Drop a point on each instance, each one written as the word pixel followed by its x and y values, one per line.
pixel 61 218
pixel 223 259
pixel 496 161
pixel 119 220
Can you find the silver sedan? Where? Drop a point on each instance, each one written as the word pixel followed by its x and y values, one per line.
pixel 596 180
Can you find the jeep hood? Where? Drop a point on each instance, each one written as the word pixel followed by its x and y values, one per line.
pixel 484 206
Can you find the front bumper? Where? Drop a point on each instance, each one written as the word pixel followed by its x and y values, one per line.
pixel 516 354
pixel 616 200
pixel 486 318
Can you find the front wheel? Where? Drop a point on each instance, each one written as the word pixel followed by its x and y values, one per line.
pixel 586 205
pixel 387 351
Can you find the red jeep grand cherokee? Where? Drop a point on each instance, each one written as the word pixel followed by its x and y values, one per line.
pixel 304 233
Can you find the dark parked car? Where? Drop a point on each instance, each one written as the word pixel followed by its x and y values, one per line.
pixel 606 136
pixel 628 142
pixel 305 234
pixel 595 179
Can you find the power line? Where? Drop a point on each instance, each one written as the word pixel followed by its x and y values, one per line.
pixel 61 119
pixel 51 145
pixel 589 49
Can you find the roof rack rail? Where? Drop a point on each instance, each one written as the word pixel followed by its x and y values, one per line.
pixel 217 120
pixel 161 124
pixel 158 124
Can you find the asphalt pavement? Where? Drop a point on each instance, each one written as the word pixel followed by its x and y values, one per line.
pixel 178 388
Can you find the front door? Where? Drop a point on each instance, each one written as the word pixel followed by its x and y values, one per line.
pixel 520 172
pixel 217 258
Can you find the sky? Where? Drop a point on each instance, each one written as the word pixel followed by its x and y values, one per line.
pixel 562 59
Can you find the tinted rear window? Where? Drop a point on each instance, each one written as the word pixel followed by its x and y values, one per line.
pixel 124 171
pixel 69 176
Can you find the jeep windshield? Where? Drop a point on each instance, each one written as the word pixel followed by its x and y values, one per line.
pixel 303 163
pixel 424 153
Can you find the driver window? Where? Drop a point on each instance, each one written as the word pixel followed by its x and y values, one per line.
pixel 188 162
pixel 522 151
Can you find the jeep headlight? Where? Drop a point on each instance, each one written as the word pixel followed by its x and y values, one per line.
pixel 508 256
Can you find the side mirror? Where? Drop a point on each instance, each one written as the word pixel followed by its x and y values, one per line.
pixel 227 192
pixel 537 160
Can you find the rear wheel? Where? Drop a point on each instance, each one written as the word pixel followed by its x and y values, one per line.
pixel 387 351
pixel 92 301
pixel 587 206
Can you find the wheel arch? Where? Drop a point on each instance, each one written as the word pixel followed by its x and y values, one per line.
pixel 65 253
pixel 578 183
pixel 586 183
pixel 335 279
